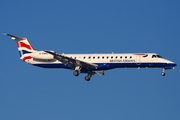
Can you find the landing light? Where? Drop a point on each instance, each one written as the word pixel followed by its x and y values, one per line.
pixel 13 38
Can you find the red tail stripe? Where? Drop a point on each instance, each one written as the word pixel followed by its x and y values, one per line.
pixel 27 57
pixel 22 44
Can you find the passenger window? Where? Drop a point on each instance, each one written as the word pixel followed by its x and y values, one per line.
pixel 111 57
pixel 102 57
pixel 98 57
pixel 130 57
pixel 107 57
pixel 116 57
pixel 89 57
pixel 126 57
pixel 84 57
pixel 93 57
pixel 121 57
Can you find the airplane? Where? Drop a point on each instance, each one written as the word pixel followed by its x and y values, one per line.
pixel 90 64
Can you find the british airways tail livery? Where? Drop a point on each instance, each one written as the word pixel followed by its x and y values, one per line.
pixel 89 63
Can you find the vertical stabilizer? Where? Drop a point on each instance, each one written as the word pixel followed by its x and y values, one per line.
pixel 24 47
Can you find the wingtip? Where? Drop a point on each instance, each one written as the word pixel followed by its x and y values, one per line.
pixel 5 34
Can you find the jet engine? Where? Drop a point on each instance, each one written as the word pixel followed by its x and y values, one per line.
pixel 42 55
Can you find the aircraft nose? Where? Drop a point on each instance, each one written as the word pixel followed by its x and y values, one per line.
pixel 172 64
pixel 175 64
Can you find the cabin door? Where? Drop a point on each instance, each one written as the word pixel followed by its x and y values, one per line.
pixel 138 60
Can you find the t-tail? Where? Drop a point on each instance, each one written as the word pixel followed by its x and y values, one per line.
pixel 24 47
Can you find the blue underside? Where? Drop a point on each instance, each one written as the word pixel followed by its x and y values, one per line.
pixel 107 66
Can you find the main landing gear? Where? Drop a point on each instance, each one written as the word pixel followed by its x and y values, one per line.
pixel 77 69
pixel 163 72
pixel 88 77
pixel 76 73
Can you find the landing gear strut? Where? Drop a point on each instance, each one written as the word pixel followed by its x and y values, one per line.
pixel 77 69
pixel 163 72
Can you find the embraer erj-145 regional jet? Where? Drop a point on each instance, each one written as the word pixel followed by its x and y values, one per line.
pixel 89 63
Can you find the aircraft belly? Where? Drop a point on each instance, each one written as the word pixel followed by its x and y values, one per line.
pixel 106 66
pixel 103 66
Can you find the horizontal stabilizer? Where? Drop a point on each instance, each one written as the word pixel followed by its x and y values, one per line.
pixel 13 37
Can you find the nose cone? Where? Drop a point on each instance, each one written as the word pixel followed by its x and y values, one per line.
pixel 170 64
pixel 175 64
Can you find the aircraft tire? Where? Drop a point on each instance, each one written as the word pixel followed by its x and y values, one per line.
pixel 87 78
pixel 76 73
pixel 163 74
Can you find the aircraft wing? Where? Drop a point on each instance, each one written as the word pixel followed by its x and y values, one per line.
pixel 72 63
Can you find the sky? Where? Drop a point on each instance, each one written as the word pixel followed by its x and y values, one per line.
pixel 90 26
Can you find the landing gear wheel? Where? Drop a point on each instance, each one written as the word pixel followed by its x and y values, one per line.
pixel 163 74
pixel 87 78
pixel 76 73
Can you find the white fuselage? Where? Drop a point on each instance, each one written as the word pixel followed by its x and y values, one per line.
pixel 105 61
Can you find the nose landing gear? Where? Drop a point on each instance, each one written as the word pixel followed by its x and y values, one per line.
pixel 163 72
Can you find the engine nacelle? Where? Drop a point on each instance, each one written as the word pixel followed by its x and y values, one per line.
pixel 42 55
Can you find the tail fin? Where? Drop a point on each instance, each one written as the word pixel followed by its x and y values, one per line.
pixel 24 47
pixel 23 44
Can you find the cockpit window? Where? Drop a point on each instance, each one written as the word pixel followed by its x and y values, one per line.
pixel 156 56
pixel 159 56
pixel 153 56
